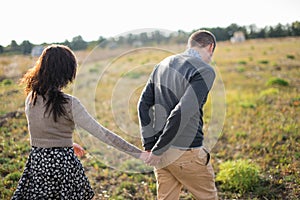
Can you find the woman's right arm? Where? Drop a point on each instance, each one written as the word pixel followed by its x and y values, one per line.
pixel 83 119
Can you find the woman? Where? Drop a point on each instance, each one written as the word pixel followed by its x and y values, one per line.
pixel 52 170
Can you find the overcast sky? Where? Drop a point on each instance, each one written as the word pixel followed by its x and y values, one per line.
pixel 58 20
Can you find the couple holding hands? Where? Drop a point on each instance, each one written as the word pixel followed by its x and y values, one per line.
pixel 170 111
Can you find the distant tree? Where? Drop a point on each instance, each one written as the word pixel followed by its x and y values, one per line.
pixel 295 28
pixel 262 33
pixel 67 43
pixel 157 36
pixel 130 38
pixel 26 47
pixel 243 29
pixel 221 34
pixel 252 31
pixel 278 31
pixel 13 47
pixel 143 37
pixel 232 28
pixel 183 36
pixel 179 37
pixel 78 43
pixel 101 39
pixel 289 31
pixel 102 42
pixel 271 32
pixel 121 40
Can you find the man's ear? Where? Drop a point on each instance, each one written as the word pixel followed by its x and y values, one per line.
pixel 211 48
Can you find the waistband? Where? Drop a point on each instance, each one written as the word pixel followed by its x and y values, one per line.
pixel 187 148
pixel 49 143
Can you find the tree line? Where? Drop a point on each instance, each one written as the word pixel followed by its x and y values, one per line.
pixel 158 37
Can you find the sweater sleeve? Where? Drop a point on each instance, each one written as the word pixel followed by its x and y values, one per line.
pixel 145 114
pixel 84 120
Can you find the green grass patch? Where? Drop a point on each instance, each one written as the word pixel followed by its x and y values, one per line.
pixel 277 81
pixel 15 176
pixel 247 105
pixel 6 82
pixel 289 56
pixel 94 70
pixel 240 68
pixel 133 75
pixel 269 92
pixel 239 176
pixel 242 62
pixel 241 134
pixel 265 62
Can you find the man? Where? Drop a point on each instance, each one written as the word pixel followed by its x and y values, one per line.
pixel 170 113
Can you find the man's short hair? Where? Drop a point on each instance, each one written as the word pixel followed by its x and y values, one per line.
pixel 202 38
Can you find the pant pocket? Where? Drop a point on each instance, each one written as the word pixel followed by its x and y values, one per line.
pixel 203 157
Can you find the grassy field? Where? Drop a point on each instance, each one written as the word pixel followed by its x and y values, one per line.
pixel 261 126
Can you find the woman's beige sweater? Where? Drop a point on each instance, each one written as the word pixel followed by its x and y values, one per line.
pixel 46 133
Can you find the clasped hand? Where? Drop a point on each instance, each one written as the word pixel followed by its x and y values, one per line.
pixel 149 158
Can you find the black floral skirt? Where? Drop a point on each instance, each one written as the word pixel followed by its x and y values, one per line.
pixel 53 173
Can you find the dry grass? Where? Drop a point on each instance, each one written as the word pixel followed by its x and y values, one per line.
pixel 261 124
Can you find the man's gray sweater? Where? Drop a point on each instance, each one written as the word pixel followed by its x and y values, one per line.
pixel 171 105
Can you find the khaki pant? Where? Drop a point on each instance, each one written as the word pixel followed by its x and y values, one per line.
pixel 190 169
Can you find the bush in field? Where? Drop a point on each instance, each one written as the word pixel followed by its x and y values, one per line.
pixel 6 82
pixel 269 92
pixel 264 62
pixel 11 179
pixel 240 69
pixel 242 62
pixel 238 176
pixel 247 105
pixel 277 81
pixel 289 56
pixel 15 176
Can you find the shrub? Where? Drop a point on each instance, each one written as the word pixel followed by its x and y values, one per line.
pixel 240 69
pixel 238 176
pixel 133 75
pixel 277 81
pixel 15 176
pixel 4 160
pixel 292 57
pixel 6 82
pixel 247 105
pixel 269 92
pixel 242 62
pixel 241 135
pixel 93 70
pixel 264 62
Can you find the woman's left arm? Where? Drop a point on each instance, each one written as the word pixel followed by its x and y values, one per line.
pixel 83 119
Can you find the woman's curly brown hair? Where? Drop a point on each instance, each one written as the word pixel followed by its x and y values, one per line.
pixel 55 69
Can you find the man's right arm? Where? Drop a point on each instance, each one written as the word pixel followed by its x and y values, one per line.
pixel 145 114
